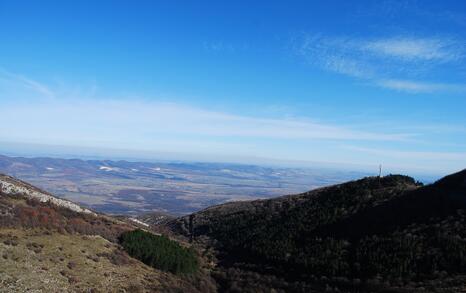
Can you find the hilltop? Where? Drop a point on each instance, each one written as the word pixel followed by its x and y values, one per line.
pixel 368 235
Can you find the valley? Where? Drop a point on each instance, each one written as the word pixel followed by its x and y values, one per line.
pixel 133 188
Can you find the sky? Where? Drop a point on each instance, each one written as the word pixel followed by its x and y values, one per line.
pixel 350 83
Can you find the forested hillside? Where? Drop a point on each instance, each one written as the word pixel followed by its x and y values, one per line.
pixel 371 234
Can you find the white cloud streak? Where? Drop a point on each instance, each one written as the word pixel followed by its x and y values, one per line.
pixel 62 114
pixel 26 83
pixel 143 121
pixel 385 62
pixel 419 87
pixel 416 49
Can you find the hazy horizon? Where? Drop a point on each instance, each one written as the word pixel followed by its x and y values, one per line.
pixel 102 154
pixel 346 84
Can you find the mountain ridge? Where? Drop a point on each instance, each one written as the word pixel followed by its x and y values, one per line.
pixel 373 234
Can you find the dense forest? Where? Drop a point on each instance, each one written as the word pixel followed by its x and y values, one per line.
pixel 368 234
pixel 159 252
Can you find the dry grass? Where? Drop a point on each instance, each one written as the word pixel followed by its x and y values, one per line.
pixel 37 260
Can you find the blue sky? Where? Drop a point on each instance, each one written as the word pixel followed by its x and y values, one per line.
pixel 292 82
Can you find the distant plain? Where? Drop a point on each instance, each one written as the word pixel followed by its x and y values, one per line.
pixel 122 187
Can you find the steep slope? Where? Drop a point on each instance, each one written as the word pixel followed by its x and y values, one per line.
pixel 372 234
pixel 51 245
pixel 10 185
pixel 440 200
pixel 35 261
pixel 306 211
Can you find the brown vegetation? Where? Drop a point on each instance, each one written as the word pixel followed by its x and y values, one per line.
pixel 27 213
pixel 51 249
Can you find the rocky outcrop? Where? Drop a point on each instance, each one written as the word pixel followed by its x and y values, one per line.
pixel 13 186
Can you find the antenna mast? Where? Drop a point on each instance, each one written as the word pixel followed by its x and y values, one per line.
pixel 380 170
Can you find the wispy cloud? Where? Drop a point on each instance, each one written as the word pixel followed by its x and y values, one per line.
pixel 419 87
pixel 25 82
pixel 416 49
pixel 347 66
pixel 385 62
pixel 140 117
pixel 333 54
pixel 143 120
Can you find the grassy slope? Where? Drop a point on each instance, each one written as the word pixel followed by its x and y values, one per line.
pixel 49 249
pixel 33 260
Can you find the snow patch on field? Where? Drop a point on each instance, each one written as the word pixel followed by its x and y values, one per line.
pixel 105 168
pixel 139 222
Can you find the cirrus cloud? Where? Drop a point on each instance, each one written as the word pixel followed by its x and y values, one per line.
pixel 415 49
pixel 389 62
pixel 419 87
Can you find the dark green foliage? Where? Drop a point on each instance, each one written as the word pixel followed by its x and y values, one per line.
pixel 419 250
pixel 159 252
pixel 363 235
pixel 289 238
